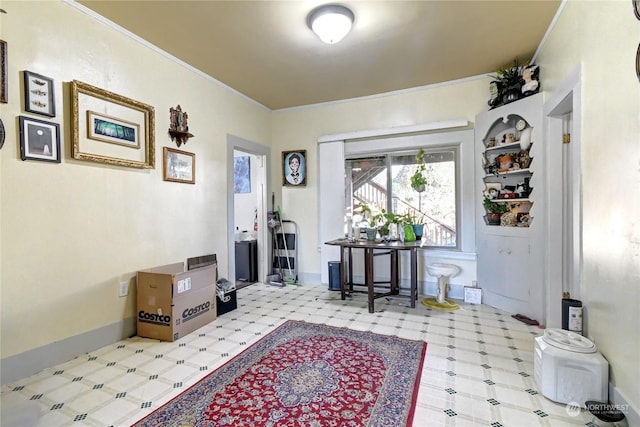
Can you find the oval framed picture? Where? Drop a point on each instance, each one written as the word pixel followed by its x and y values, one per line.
pixel 636 8
pixel 638 63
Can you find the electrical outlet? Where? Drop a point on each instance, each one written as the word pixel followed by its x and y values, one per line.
pixel 124 289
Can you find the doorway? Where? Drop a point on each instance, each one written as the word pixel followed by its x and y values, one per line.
pixel 563 188
pixel 247 207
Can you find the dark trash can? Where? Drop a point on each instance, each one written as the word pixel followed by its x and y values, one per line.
pixel 334 275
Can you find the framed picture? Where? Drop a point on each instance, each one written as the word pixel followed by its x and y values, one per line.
pixel 3 72
pixel 294 168
pixel 242 175
pixel 179 166
pixel 39 140
pixel 638 63
pixel 110 128
pixel 38 94
pixel 1 133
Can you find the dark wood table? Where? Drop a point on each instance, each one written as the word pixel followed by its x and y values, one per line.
pixel 369 249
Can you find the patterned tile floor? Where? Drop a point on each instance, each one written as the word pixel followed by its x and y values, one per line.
pixel 478 369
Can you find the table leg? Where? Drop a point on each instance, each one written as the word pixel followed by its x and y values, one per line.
pixel 394 272
pixel 343 285
pixel 350 277
pixel 414 276
pixel 368 275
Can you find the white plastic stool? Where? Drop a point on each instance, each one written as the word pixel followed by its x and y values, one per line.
pixel 444 272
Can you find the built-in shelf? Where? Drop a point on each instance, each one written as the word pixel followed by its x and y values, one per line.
pixel 180 137
pixel 504 146
pixel 510 248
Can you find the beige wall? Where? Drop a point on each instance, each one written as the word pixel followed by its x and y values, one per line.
pixel 603 37
pixel 300 128
pixel 71 232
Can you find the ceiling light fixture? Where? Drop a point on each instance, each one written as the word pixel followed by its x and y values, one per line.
pixel 331 22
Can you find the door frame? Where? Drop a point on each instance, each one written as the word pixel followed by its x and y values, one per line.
pixel 263 153
pixel 567 98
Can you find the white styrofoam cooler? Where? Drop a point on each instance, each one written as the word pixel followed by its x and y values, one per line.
pixel 568 368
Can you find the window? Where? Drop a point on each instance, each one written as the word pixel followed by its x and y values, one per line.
pixel 383 182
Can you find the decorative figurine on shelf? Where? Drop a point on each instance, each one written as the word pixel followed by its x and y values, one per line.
pixel 530 76
pixel 494 91
pixel 178 127
pixel 179 119
pixel 521 192
pixel 508 219
pixel 523 219
pixel 524 159
pixel 506 161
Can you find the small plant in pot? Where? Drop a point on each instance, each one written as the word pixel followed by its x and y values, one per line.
pixel 494 210
pixel 385 219
pixel 418 180
pixel 416 220
pixel 372 230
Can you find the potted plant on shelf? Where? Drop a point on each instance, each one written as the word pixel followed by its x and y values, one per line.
pixel 416 219
pixel 494 210
pixel 418 180
pixel 509 81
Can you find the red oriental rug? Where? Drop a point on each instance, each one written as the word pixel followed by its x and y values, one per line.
pixel 305 375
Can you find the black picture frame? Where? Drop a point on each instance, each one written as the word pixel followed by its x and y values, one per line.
pixel 39 140
pixel 289 177
pixel 39 96
pixel 3 72
pixel 638 63
pixel 636 8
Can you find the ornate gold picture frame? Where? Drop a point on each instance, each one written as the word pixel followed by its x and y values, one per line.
pixel 89 102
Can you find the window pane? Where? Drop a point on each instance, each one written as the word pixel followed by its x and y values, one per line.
pixel 366 184
pixel 370 184
pixel 436 206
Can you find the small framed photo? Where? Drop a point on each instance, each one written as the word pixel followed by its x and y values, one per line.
pixel 38 94
pixel 39 140
pixel 110 129
pixel 294 168
pixel 179 166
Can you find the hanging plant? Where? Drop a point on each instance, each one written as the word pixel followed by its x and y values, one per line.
pixel 418 180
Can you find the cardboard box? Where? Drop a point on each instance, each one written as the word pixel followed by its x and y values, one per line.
pixel 472 295
pixel 172 302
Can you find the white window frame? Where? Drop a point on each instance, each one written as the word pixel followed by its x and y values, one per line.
pixel 334 149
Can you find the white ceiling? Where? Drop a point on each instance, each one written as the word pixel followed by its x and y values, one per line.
pixel 265 50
